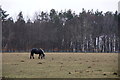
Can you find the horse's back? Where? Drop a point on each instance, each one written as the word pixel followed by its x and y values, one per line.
pixel 37 51
pixel 33 50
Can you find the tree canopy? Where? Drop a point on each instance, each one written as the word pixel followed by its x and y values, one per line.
pixel 62 31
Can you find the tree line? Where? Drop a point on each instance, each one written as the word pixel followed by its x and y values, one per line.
pixel 63 31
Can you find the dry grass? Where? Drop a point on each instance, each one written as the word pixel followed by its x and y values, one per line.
pixel 61 65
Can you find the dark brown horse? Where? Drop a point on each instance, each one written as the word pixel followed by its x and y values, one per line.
pixel 37 51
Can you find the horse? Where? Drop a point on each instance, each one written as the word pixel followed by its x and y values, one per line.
pixel 37 51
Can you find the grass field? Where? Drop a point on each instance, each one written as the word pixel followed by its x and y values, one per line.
pixel 60 65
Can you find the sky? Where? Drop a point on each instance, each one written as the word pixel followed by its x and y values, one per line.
pixel 29 7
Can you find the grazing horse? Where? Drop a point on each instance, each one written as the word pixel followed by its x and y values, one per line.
pixel 37 51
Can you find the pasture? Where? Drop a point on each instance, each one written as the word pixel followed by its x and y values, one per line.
pixel 60 65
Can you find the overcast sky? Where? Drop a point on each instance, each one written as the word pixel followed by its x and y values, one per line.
pixel 29 7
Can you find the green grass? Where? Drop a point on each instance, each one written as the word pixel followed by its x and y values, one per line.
pixel 60 65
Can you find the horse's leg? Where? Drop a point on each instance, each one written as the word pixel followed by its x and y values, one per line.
pixel 39 56
pixel 30 55
pixel 33 56
pixel 43 56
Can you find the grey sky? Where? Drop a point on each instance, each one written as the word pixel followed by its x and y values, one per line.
pixel 29 7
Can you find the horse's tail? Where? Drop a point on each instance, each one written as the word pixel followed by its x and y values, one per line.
pixel 32 54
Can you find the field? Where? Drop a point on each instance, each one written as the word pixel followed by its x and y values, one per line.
pixel 60 65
